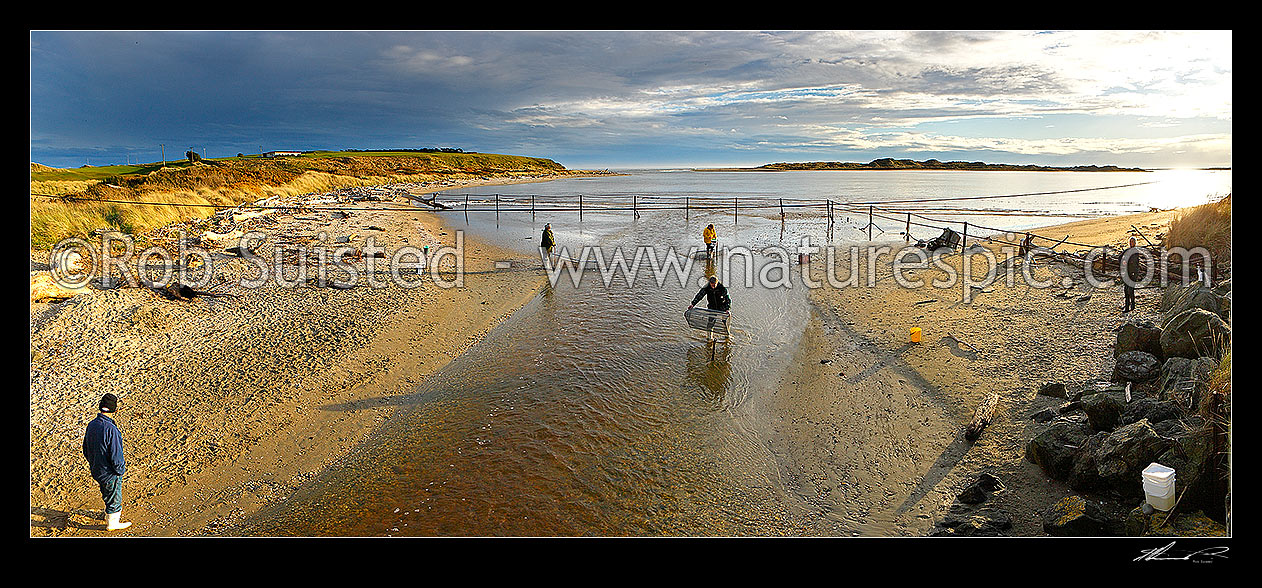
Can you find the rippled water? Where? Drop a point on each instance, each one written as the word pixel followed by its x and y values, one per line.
pixel 595 410
pixel 592 410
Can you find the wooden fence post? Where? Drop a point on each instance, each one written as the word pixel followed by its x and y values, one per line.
pixel 466 208
pixel 497 207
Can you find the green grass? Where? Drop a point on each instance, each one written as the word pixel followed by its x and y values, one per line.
pixel 233 180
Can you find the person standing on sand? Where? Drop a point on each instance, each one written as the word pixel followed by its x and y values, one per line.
pixel 709 235
pixel 547 242
pixel 103 448
pixel 1131 276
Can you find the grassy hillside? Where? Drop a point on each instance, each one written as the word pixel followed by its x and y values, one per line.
pixel 231 181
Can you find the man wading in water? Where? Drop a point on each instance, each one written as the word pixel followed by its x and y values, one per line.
pixel 547 242
pixel 716 299
pixel 709 236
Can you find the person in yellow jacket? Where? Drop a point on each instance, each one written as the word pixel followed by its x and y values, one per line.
pixel 710 238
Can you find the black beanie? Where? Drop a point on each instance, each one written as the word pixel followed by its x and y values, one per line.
pixel 109 403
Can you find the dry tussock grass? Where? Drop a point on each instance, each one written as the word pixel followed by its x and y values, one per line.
pixel 1208 226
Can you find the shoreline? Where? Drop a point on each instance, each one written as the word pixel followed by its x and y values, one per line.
pixel 920 396
pixel 229 403
pixel 201 460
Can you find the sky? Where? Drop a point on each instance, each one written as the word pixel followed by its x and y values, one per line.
pixel 637 99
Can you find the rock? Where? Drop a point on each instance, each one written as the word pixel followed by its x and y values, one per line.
pixel 989 483
pixel 972 494
pixel 1075 516
pixel 1198 297
pixel 1103 411
pixel 1195 333
pixel 1113 463
pixel 1175 428
pixel 1054 389
pixel 975 493
pixel 1184 380
pixel 1193 458
pixel 1045 415
pixel 1083 474
pixel 1154 410
pixel 1069 407
pixel 988 525
pixel 1138 337
pixel 1136 366
pixel 1054 449
pixel 1138 520
pixel 1180 524
pixel 1173 292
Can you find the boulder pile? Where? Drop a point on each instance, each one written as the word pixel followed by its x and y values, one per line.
pixel 1102 438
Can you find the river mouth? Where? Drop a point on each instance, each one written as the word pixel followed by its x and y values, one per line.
pixel 594 410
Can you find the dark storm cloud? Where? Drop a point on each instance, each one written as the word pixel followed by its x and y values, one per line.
pixel 556 92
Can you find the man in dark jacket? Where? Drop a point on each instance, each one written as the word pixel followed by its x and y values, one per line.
pixel 715 295
pixel 716 299
pixel 1133 273
pixel 103 448
pixel 547 242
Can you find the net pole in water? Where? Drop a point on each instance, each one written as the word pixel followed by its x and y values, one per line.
pixel 580 208
pixel 869 222
pixel 907 232
pixel 736 208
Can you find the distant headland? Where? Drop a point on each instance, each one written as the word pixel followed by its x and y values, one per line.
pixel 888 163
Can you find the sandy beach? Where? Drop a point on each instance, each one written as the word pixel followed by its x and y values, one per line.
pixel 228 402
pixel 912 401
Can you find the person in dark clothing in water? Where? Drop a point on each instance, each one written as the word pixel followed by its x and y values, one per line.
pixel 1133 274
pixel 547 242
pixel 716 299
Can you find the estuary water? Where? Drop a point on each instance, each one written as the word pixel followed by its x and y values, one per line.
pixel 596 410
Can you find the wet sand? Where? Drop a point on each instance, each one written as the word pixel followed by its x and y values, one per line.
pixel 229 403
pixel 910 402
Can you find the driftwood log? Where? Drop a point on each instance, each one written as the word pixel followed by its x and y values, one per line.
pixel 983 416
pixel 180 291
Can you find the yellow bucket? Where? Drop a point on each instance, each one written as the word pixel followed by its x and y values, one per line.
pixel 915 334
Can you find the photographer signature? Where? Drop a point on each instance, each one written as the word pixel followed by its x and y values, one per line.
pixel 1160 554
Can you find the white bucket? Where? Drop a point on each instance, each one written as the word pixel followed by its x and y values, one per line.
pixel 1159 483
